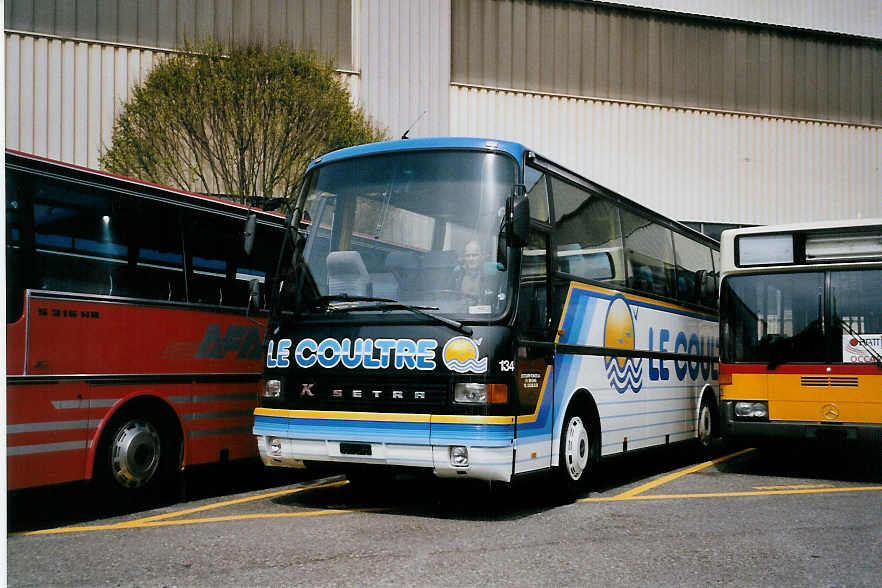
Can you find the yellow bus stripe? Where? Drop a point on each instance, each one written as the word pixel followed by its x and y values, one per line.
pixel 343 415
pixel 334 415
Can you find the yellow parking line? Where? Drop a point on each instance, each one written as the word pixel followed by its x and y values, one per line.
pixel 679 474
pixel 793 486
pixel 216 505
pixel 623 498
pixel 149 521
pixel 167 523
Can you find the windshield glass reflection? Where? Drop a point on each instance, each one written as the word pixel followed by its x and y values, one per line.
pixel 420 228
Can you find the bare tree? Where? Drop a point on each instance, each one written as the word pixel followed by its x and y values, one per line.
pixel 244 122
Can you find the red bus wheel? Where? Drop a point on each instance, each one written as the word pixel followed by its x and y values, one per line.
pixel 135 453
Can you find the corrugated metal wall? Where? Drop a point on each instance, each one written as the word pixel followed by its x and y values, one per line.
pixel 63 96
pixel 321 25
pixel 691 165
pixel 851 17
pixel 404 60
pixel 601 51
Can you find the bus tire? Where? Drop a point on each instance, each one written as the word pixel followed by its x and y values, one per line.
pixel 579 450
pixel 706 428
pixel 138 459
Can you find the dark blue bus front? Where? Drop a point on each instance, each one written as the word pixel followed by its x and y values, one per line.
pixel 391 338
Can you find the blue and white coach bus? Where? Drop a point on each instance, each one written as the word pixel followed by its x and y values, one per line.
pixel 471 308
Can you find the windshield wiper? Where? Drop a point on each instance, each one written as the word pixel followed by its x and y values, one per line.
pixel 877 358
pixel 389 304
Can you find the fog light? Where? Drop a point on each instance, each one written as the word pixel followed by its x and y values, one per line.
pixel 275 447
pixel 459 456
pixel 751 410
pixel 272 389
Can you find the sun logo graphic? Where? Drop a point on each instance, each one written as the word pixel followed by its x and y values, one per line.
pixel 623 373
pixel 460 354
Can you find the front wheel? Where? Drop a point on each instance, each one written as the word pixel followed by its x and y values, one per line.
pixel 579 452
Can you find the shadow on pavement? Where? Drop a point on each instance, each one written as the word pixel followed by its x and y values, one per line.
pixel 67 504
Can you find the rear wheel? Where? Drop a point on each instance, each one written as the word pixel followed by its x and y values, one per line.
pixel 579 451
pixel 138 458
pixel 706 426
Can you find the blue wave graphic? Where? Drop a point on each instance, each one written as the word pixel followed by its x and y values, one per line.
pixel 470 365
pixel 626 377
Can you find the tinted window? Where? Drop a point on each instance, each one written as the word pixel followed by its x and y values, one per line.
pixel 695 281
pixel 537 194
pixel 15 265
pixel 773 318
pixel 587 239
pixel 857 314
pixel 79 239
pixel 533 304
pixel 221 272
pixel 650 255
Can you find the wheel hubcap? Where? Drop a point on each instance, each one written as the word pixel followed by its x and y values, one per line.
pixel 134 455
pixel 704 426
pixel 576 448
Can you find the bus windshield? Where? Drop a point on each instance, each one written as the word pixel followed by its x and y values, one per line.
pixel 783 318
pixel 419 228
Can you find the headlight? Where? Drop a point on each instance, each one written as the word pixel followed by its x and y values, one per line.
pixel 272 389
pixel 752 410
pixel 474 393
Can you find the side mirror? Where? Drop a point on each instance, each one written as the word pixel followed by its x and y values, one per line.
pixel 254 293
pixel 519 228
pixel 248 234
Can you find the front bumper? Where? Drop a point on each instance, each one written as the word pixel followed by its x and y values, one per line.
pixel 289 438
pixel 797 430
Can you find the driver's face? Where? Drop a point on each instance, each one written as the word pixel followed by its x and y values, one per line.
pixel 472 256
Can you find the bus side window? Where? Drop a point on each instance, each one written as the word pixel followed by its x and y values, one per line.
pixel 537 194
pixel 158 263
pixel 80 244
pixel 650 255
pixel 15 249
pixel 693 268
pixel 533 303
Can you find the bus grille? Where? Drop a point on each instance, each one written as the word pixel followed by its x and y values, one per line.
pixel 833 381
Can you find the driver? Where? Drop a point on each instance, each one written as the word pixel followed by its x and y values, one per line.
pixel 470 281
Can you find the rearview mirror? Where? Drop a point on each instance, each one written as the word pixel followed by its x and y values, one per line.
pixel 254 293
pixel 519 227
pixel 248 234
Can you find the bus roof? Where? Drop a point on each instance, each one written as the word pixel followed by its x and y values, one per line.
pixel 515 149
pixel 37 163
pixel 728 237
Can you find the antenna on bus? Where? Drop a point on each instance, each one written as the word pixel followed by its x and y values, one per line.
pixel 404 134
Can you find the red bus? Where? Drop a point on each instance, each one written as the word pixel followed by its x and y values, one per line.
pixel 131 352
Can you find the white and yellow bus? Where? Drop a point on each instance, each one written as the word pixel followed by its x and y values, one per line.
pixel 801 331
